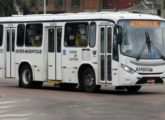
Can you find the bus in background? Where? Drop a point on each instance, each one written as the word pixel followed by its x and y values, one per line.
pixel 89 50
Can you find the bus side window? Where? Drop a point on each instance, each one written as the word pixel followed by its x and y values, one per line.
pixel 20 35
pixel 59 37
pixel 1 35
pixel 76 34
pixel 92 40
pixel 34 35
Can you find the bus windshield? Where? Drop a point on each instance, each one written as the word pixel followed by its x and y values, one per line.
pixel 143 39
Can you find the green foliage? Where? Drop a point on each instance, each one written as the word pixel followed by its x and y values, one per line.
pixel 7 7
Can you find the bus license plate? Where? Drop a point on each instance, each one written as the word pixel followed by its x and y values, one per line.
pixel 151 81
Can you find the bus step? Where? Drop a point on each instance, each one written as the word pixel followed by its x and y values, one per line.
pixel 54 82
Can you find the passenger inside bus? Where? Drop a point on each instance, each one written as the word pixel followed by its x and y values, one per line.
pixel 76 35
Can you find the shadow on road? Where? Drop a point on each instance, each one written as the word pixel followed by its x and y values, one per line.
pixel 102 91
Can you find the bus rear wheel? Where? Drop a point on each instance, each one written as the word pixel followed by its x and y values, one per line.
pixel 89 81
pixel 133 89
pixel 26 78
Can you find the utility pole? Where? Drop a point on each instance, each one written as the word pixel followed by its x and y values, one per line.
pixel 44 6
pixel 98 5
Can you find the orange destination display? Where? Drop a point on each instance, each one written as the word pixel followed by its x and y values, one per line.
pixel 144 23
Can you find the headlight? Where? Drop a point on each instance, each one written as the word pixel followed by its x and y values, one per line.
pixel 128 69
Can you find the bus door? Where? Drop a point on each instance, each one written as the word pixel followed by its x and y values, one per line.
pixel 54 53
pixel 10 51
pixel 105 53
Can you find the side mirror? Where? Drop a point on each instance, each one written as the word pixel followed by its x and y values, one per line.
pixel 118 32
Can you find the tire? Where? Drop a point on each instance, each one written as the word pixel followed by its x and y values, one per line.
pixel 66 86
pixel 133 89
pixel 89 81
pixel 26 78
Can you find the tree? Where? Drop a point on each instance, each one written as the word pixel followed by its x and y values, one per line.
pixel 7 7
pixel 34 4
pixel 22 6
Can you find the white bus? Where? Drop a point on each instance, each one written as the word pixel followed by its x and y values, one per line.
pixel 121 49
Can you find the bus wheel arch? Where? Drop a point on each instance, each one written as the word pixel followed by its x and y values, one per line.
pixel 87 78
pixel 26 76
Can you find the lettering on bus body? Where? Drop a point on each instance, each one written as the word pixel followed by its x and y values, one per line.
pixel 28 51
pixel 74 55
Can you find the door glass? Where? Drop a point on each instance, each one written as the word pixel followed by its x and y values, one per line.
pixel 13 40
pixel 109 37
pixel 51 40
pixel 59 36
pixel 8 40
pixel 102 40
pixel 109 67
pixel 102 48
pixel 1 35
pixel 109 40
pixel 102 67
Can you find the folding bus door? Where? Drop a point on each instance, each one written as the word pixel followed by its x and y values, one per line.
pixel 10 51
pixel 105 54
pixel 54 53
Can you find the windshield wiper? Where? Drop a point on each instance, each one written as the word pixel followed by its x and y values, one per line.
pixel 149 43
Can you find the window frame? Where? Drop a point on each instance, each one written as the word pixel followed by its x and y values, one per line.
pixel 57 3
pixel 75 3
pixel 41 34
pixel 82 22
pixel 23 36
pixel 89 40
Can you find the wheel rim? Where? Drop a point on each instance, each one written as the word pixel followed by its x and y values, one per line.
pixel 89 80
pixel 26 76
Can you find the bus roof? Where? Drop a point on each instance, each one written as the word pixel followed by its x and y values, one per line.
pixel 114 16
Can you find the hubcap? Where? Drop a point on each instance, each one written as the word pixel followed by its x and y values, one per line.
pixel 26 76
pixel 89 80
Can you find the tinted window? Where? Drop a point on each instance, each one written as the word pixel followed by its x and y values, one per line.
pixel 75 3
pixel 51 40
pixel 59 36
pixel 13 40
pixel 109 39
pixel 1 35
pixel 92 40
pixel 59 3
pixel 76 34
pixel 20 35
pixel 8 40
pixel 102 40
pixel 34 35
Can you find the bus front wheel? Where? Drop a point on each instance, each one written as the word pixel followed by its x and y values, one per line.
pixel 89 81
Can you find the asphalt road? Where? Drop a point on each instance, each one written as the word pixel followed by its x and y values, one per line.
pixel 52 103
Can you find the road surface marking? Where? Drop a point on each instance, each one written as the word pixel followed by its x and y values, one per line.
pixel 16 119
pixel 14 115
pixel 7 106
pixel 7 102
